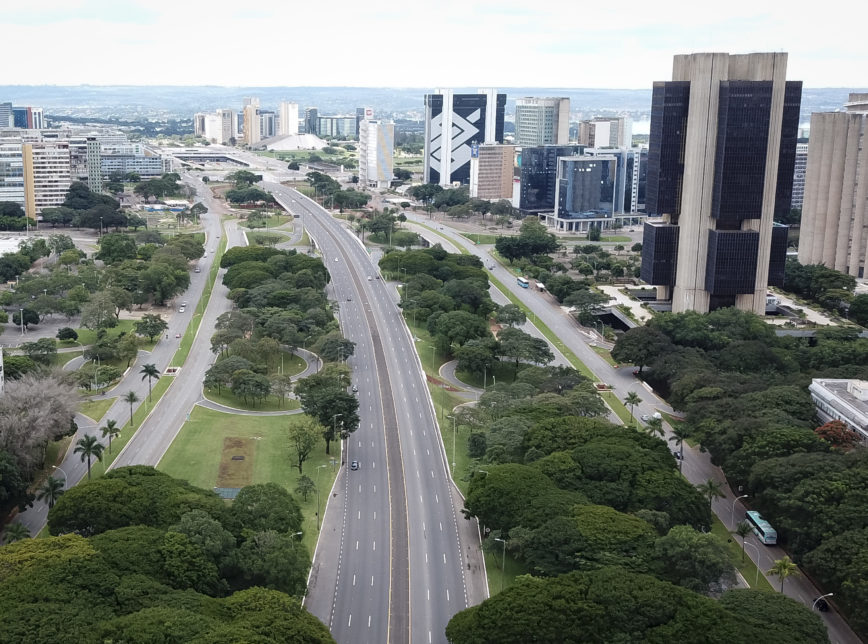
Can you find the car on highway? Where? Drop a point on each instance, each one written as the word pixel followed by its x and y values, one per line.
pixel 336 259
pixel 349 298
pixel 370 278
pixel 354 465
pixel 355 389
pixel 677 455
pixel 197 270
pixel 177 335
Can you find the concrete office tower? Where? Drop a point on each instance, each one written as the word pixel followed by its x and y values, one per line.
pixel 46 175
pixel 452 123
pixel 311 120
pixel 607 132
pixel 6 117
pixel 799 175
pixel 199 123
pixel 288 121
pixel 491 170
pixel 542 121
pixel 834 227
pixel 228 125
pixel 248 101
pixel 376 147
pixel 11 171
pixel 251 125
pixel 94 164
pixel 267 124
pixel 720 167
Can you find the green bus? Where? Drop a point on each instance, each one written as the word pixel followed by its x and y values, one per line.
pixel 761 528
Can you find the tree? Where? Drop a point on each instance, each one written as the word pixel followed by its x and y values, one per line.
pixel 30 317
pixel 743 529
pixel 99 312
pixel 305 486
pixel 266 507
pixel 632 399
pixel 324 397
pixel 51 491
pixel 782 569
pixel 151 325
pixel 116 247
pixel 858 311
pixel 640 346
pixel 594 233
pixel 680 433
pixel 334 349
pixel 511 314
pixel 693 559
pixel 14 490
pixel 654 427
pixel 247 384
pixel 711 490
pixel 67 334
pixel 41 351
pixel 293 165
pixel 89 447
pixel 150 372
pixel 15 532
pixel 131 398
pixel 586 304
pixel 837 434
pixel 304 435
pixel 110 430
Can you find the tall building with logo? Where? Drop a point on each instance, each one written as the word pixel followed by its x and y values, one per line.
pixel 288 118
pixel 376 147
pixel 46 175
pixel 542 121
pixel 834 227
pixel 452 123
pixel 720 167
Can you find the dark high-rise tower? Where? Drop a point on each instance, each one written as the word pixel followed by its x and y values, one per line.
pixel 720 167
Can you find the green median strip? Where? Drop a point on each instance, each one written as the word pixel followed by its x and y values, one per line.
pixel 747 568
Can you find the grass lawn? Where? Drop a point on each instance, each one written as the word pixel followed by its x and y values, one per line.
pixel 615 238
pixel 617 406
pixel 60 359
pixel 503 371
pixel 263 238
pixel 605 354
pixel 226 397
pixel 96 409
pixel 304 241
pixel 273 221
pixel 88 336
pixel 197 453
pixel 748 569
pixel 478 238
pixel 500 575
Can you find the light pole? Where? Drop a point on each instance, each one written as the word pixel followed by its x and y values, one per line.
pixel 732 509
pixel 817 600
pixel 304 344
pixel 65 477
pixel 318 468
pixel 503 562
pixel 452 416
pixel 746 543
pixel 335 424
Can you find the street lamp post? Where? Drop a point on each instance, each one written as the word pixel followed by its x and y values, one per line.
pixel 65 477
pixel 817 600
pixel 21 319
pixel 503 562
pixel 732 509
pixel 746 543
pixel 452 416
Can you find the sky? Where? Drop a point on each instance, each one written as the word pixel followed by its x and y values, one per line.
pixel 624 44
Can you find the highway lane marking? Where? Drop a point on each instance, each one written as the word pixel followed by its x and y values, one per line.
pixel 372 581
pixel 375 491
pixel 375 545
pixel 444 557
pixel 369 621
pixel 350 621
pixel 441 526
pixel 354 580
pixel 360 488
pixel 447 594
pixel 375 515
pixel 357 544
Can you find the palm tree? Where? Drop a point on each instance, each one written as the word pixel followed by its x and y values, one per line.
pixel 131 398
pixel 743 529
pixel 783 568
pixel 51 491
pixel 111 430
pixel 711 489
pixel 150 372
pixel 89 447
pixel 679 434
pixel 632 399
pixel 15 532
pixel 655 427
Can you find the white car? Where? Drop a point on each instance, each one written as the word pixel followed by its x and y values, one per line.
pixel 336 259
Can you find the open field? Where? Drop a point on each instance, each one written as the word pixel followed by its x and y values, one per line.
pixel 96 409
pixel 197 452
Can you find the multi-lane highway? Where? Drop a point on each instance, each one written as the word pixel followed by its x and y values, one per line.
pixel 396 559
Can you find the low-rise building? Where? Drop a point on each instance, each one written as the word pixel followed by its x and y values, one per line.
pixel 844 400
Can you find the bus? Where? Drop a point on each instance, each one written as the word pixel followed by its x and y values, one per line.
pixel 523 282
pixel 761 528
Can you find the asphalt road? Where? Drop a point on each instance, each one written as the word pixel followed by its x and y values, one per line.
pixel 401 547
pixel 696 467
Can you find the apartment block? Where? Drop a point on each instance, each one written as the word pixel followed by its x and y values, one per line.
pixel 46 175
pixel 491 171
pixel 376 147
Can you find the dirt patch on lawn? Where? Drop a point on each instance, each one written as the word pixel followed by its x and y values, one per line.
pixel 236 462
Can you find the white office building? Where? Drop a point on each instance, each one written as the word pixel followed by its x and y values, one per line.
pixel 844 400
pixel 376 147
pixel 542 121
pixel 287 121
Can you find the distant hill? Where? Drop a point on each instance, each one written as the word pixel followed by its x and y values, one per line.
pixel 160 102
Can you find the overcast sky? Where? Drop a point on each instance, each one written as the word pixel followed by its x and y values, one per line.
pixel 439 43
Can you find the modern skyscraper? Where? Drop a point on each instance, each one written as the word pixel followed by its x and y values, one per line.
pixel 491 171
pixel 799 175
pixel 542 121
pixel 376 147
pixel 452 123
pixel 6 118
pixel 46 175
pixel 311 120
pixel 834 228
pixel 94 164
pixel 11 171
pixel 607 132
pixel 720 166
pixel 252 129
pixel 539 173
pixel 267 124
pixel 288 121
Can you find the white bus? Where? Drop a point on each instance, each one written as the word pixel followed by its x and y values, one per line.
pixel 522 282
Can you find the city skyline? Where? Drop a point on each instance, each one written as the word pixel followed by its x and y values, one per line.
pixel 618 46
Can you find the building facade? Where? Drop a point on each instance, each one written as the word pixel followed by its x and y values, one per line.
pixel 94 164
pixel 491 171
pixel 288 118
pixel 339 127
pixel 801 168
pixel 46 175
pixel 311 120
pixel 834 227
pixel 542 121
pixel 376 148
pixel 539 174
pixel 6 118
pixel 720 167
pixel 267 124
pixel 252 128
pixel 844 400
pixel 11 171
pixel 607 132
pixel 452 123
